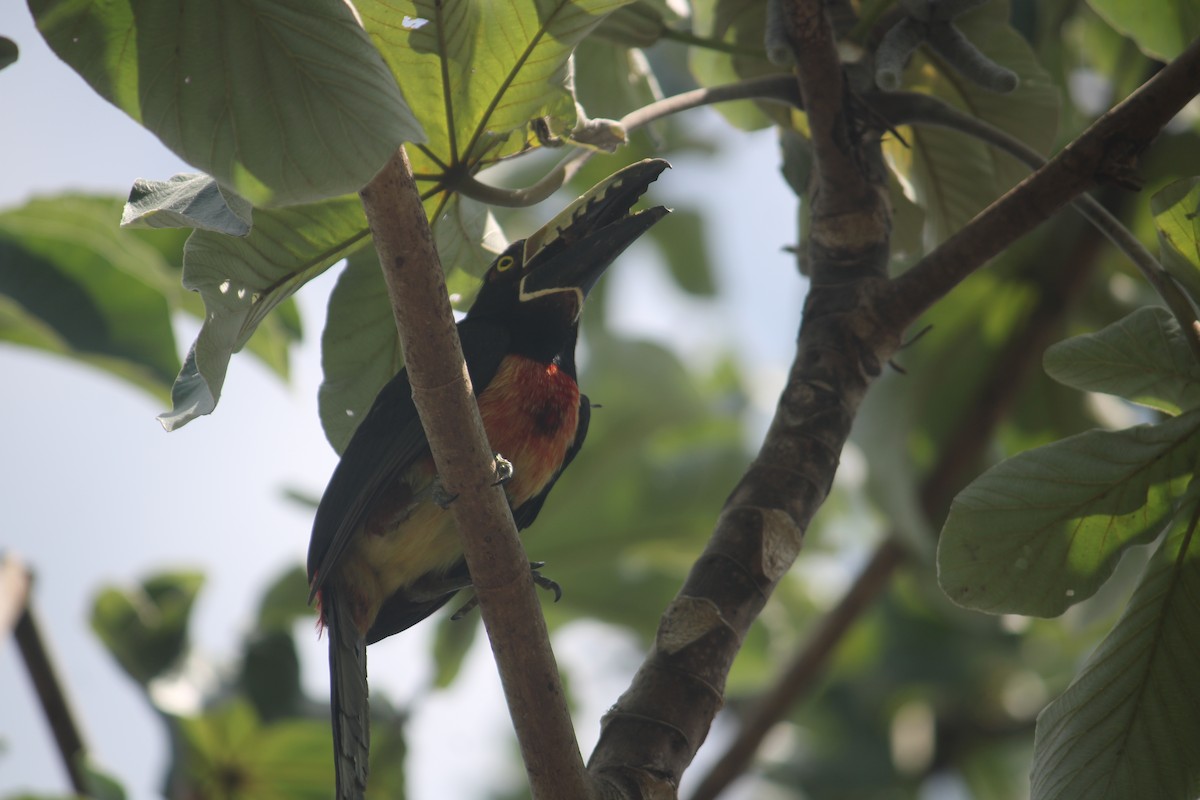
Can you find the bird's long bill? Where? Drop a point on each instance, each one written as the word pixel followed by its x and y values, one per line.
pixel 572 250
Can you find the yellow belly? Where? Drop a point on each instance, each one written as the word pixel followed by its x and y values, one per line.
pixel 531 414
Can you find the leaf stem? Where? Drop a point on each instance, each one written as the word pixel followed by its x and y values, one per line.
pixel 691 39
pixel 773 88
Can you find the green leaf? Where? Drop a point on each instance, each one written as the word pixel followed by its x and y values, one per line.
pixel 1044 530
pixel 949 174
pixel 101 785
pixel 228 753
pixel 1163 34
pixel 146 627
pixel 1176 212
pixel 186 201
pixel 468 239
pixel 639 24
pixel 474 72
pixel 76 285
pixel 452 641
pixel 1129 724
pixel 282 101
pixel 360 349
pixel 1142 358
pixel 285 601
pixel 242 279
pixel 612 81
pixel 686 252
pixel 8 52
pixel 741 26
pixel 270 675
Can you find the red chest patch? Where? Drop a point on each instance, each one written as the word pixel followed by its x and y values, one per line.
pixel 531 413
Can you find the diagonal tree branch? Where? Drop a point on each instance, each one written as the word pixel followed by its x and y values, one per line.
pixel 497 562
pixel 1105 151
pixel 653 731
pixel 960 457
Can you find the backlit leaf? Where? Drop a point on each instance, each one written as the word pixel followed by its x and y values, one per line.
pixel 1142 358
pixel 186 201
pixel 1043 530
pixel 283 101
pixel 1129 724
pixel 242 279
pixel 76 285
pixel 1163 34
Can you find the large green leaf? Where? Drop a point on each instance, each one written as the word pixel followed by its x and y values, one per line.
pixel 950 175
pixel 737 27
pixel 146 627
pixel 1129 724
pixel 242 279
pixel 283 101
pixel 229 753
pixel 360 349
pixel 1044 530
pixel 1177 219
pixel 1162 31
pixel 74 284
pixel 1142 358
pixel 8 52
pixel 476 72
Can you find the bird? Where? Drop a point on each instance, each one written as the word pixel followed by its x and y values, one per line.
pixel 385 551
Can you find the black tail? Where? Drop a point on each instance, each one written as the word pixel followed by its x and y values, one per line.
pixel 347 699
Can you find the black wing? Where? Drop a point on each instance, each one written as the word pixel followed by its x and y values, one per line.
pixel 399 612
pixel 389 440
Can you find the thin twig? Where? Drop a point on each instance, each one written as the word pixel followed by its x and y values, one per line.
pixel 773 88
pixel 16 614
pixel 497 562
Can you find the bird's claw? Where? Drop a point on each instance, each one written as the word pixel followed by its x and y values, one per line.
pixel 538 578
pixel 504 470
pixel 544 582
pixel 465 609
pixel 439 495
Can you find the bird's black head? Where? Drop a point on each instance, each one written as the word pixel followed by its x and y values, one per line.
pixel 537 286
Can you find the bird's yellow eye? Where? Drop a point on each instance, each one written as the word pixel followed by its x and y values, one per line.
pixel 505 263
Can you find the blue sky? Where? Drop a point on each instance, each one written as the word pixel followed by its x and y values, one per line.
pixel 92 491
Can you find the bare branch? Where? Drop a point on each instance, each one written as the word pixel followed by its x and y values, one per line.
pixel 16 614
pixel 497 562
pixel 772 88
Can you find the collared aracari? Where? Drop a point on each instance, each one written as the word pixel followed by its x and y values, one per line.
pixel 385 551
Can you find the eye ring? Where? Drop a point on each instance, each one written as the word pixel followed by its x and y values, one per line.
pixel 505 263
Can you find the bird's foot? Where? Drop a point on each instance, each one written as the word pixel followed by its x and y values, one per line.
pixel 439 495
pixel 504 470
pixel 544 582
pixel 538 578
pixel 465 609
